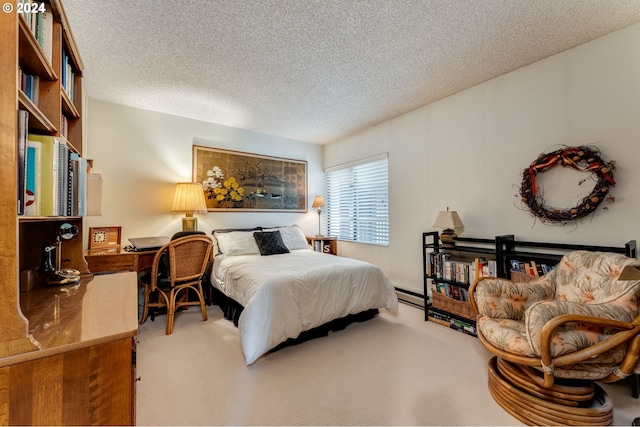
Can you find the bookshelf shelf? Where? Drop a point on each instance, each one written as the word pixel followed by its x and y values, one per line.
pixel 38 122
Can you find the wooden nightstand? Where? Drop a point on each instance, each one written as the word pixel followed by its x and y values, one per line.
pixel 327 245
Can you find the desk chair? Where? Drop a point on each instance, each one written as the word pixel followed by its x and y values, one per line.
pixel 178 267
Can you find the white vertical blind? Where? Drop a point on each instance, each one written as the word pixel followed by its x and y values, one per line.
pixel 357 205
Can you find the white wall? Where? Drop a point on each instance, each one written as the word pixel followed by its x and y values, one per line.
pixel 142 154
pixel 468 152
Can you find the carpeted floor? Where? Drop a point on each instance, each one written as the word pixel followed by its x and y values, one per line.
pixel 386 371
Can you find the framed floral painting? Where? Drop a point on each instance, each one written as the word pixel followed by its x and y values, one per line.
pixel 233 180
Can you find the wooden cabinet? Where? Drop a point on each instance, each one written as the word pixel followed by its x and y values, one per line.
pixel 66 354
pixel 327 245
pixel 83 371
pixel 88 386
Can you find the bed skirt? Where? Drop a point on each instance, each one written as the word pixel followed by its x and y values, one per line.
pixel 232 310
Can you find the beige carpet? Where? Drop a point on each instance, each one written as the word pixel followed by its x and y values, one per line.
pixel 386 371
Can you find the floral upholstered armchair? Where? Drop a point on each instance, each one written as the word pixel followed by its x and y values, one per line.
pixel 580 321
pixel 581 303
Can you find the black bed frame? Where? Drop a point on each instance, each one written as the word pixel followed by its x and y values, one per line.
pixel 232 310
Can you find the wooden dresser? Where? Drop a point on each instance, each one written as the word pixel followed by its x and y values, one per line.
pixel 84 370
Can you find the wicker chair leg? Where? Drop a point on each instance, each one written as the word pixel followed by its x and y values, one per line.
pixel 171 311
pixel 145 308
pixel 202 303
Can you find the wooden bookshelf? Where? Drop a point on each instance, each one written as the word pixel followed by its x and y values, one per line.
pixel 34 343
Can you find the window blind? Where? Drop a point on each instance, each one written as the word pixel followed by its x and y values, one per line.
pixel 357 205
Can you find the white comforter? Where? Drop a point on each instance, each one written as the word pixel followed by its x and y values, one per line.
pixel 284 295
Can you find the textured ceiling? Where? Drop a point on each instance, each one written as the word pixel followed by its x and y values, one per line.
pixel 318 70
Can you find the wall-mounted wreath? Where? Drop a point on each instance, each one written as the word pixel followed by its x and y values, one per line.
pixel 581 158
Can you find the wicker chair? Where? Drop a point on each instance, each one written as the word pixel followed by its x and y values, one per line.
pixel 555 336
pixel 188 258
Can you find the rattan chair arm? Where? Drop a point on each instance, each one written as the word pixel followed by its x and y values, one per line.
pixel 629 364
pixel 628 331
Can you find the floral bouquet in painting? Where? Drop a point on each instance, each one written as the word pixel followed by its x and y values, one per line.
pixel 222 190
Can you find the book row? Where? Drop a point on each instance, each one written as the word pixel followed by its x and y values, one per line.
pixel 52 178
pixel 441 265
pixel 68 76
pixel 30 85
pixel 453 323
pixel 39 19
pixel 531 268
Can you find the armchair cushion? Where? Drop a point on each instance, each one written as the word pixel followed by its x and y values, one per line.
pixel 506 334
pixel 504 299
pixel 592 277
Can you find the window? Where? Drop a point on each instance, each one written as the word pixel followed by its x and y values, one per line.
pixel 357 205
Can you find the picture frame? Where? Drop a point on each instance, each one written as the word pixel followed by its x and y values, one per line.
pixel 105 237
pixel 240 181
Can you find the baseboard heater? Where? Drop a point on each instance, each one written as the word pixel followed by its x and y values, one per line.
pixel 409 297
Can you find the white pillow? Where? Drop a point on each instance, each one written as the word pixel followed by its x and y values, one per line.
pixel 293 237
pixel 235 243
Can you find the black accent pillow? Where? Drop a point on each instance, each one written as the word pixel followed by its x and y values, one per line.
pixel 270 242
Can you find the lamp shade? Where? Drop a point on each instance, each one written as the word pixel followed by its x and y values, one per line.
pixel 318 202
pixel 189 197
pixel 447 220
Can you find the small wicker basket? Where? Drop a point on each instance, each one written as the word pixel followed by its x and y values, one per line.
pixel 519 276
pixel 461 308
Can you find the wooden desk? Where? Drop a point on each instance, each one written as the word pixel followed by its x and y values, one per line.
pixel 112 260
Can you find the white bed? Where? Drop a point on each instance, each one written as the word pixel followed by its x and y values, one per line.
pixel 285 294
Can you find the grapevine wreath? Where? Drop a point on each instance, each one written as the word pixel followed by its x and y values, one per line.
pixel 581 158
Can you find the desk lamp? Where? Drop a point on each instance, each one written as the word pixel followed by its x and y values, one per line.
pixel 318 202
pixel 448 220
pixel 189 198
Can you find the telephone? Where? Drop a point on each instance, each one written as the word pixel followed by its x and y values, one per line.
pixel 54 275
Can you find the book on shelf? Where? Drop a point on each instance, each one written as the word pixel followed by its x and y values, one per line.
pixel 63 176
pixel 452 322
pixel 21 149
pixel 462 326
pixel 33 187
pixel 48 173
pixel 64 125
pixel 68 75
